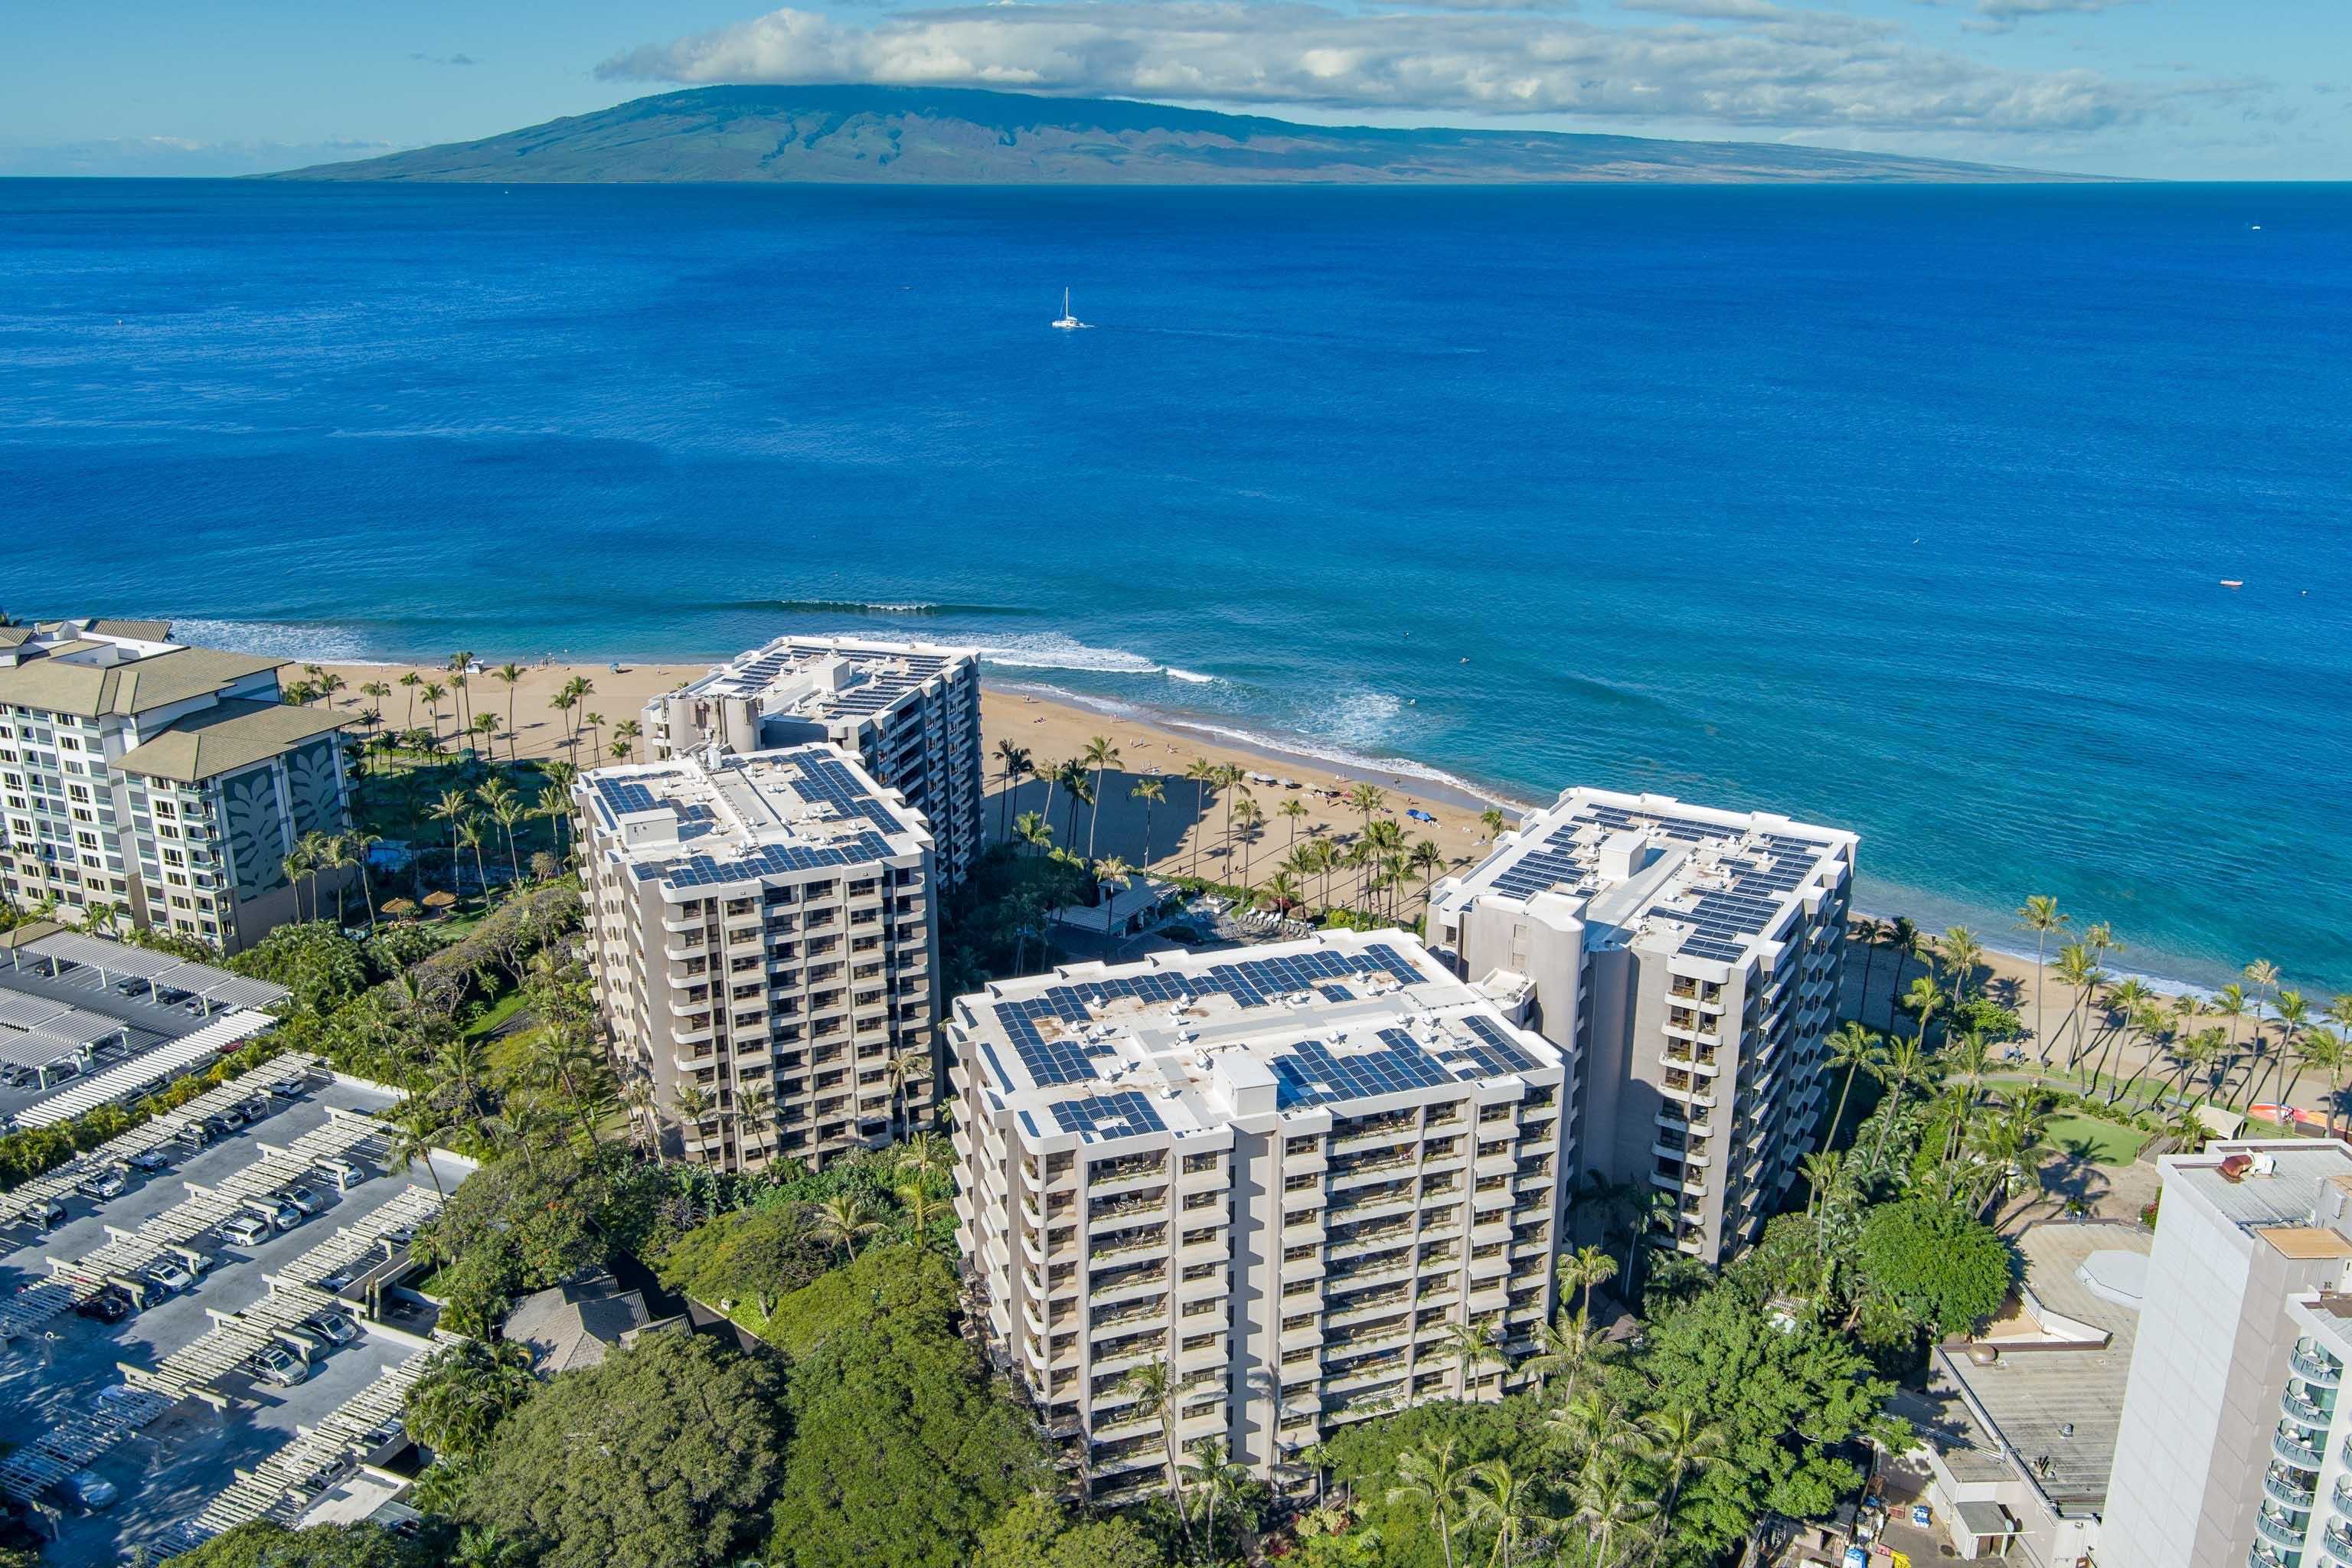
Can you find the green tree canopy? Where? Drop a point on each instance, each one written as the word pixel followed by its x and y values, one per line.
pixel 750 1255
pixel 467 1391
pixel 902 1454
pixel 262 1545
pixel 320 965
pixel 1035 1532
pixel 1944 1269
pixel 1781 1396
pixel 663 1457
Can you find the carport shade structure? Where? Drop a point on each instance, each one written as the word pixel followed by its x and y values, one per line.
pixel 217 987
pixel 66 1037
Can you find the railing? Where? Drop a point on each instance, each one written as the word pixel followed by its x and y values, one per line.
pixel 2304 1413
pixel 2280 1529
pixel 2279 1483
pixel 2315 1365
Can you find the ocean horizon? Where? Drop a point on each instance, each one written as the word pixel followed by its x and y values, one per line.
pixel 1904 509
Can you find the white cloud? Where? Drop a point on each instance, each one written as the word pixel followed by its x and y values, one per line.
pixel 1800 70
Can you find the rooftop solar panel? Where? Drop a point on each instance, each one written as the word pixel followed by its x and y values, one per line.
pixel 1121 1114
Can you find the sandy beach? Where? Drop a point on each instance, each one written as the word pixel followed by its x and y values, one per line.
pixel 1181 837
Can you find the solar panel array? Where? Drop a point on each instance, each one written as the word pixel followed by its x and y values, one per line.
pixel 766 860
pixel 1496 1053
pixel 1250 983
pixel 829 780
pixel 1722 920
pixel 1118 1115
pixel 889 676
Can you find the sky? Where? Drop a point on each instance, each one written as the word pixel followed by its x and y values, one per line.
pixel 2206 90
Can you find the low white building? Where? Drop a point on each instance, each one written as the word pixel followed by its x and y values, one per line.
pixel 1293 1176
pixel 764 947
pixel 908 711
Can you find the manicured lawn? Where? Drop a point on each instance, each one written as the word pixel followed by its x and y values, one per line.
pixel 2109 1144
pixel 498 1013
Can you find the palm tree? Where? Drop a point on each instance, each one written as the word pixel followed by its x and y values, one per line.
pixel 1280 892
pixel 695 1107
pixel 1251 819
pixel 1229 781
pixel 1212 1469
pixel 1567 1346
pixel 433 694
pixel 469 833
pixel 1205 774
pixel 1294 812
pixel 412 680
pixel 1151 791
pixel 2312 1047
pixel 2230 1003
pixel 412 1144
pixel 633 732
pixel 1428 859
pixel 375 691
pixel 1013 766
pixel 1498 1497
pixel 1471 1346
pixel 1366 799
pixel 2340 1014
pixel 2293 1016
pixel 1904 938
pixel 361 843
pixel 2079 972
pixel 1856 1049
pixel 508 675
pixel 1072 777
pixel 1153 1387
pixel 755 1113
pixel 1493 820
pixel 2040 915
pixel 564 702
pixel 1433 1476
pixel 1612 1501
pixel 1032 830
pixel 1923 998
pixel 1683 1445
pixel 1582 1271
pixel 333 854
pixel 1906 1064
pixel 1100 756
pixel 905 1067
pixel 1961 953
pixel 299 861
pixel 843 1220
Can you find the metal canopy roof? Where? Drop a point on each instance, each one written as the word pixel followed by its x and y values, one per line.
pixel 35 1051
pixel 99 953
pixel 159 969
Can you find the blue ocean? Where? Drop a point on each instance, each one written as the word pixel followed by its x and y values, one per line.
pixel 1907 508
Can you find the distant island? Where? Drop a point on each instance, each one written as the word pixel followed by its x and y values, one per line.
pixel 903 135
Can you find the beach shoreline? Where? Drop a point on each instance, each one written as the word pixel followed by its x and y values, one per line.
pixel 1054 723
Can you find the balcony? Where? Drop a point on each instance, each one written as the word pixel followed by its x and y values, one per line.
pixel 2315 1366
pixel 2280 1529
pixel 2336 1542
pixel 2280 1484
pixel 2289 1446
pixel 2304 1413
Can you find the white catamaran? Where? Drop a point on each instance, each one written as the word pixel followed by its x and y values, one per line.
pixel 1067 322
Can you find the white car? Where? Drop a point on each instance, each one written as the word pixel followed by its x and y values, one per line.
pixel 170 1277
pixel 246 1229
pixel 276 1363
pixel 334 1327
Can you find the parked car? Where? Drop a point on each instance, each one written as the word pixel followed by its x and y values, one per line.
pixel 117 1400
pixel 307 1199
pixel 286 1215
pixel 46 1213
pixel 218 1125
pixel 109 1305
pixel 172 995
pixel 399 1236
pixel 258 1107
pixel 88 1491
pixel 246 1229
pixel 110 1182
pixel 276 1363
pixel 342 1171
pixel 335 1328
pixel 151 1160
pixel 293 1087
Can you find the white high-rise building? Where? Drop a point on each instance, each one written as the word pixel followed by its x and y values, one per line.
pixel 1295 1177
pixel 764 947
pixel 908 711
pixel 1689 960
pixel 2235 1444
pixel 165 780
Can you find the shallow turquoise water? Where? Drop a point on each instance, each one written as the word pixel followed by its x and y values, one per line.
pixel 1902 509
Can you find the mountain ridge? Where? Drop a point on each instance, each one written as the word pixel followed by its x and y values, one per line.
pixel 897 136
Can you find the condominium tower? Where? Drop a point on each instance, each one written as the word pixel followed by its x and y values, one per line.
pixel 1294 1179
pixel 762 943
pixel 1688 959
pixel 2235 1445
pixel 167 781
pixel 908 711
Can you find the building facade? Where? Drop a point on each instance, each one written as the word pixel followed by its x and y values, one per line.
pixel 163 781
pixel 1296 1179
pixel 2233 1447
pixel 908 711
pixel 1689 961
pixel 764 951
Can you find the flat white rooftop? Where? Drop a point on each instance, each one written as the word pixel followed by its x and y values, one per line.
pixel 691 822
pixel 1348 1021
pixel 1671 877
pixel 822 679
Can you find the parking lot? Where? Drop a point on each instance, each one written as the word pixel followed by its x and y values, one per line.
pixel 191 1352
pixel 108 1017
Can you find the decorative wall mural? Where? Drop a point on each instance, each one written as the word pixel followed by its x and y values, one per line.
pixel 314 785
pixel 257 840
